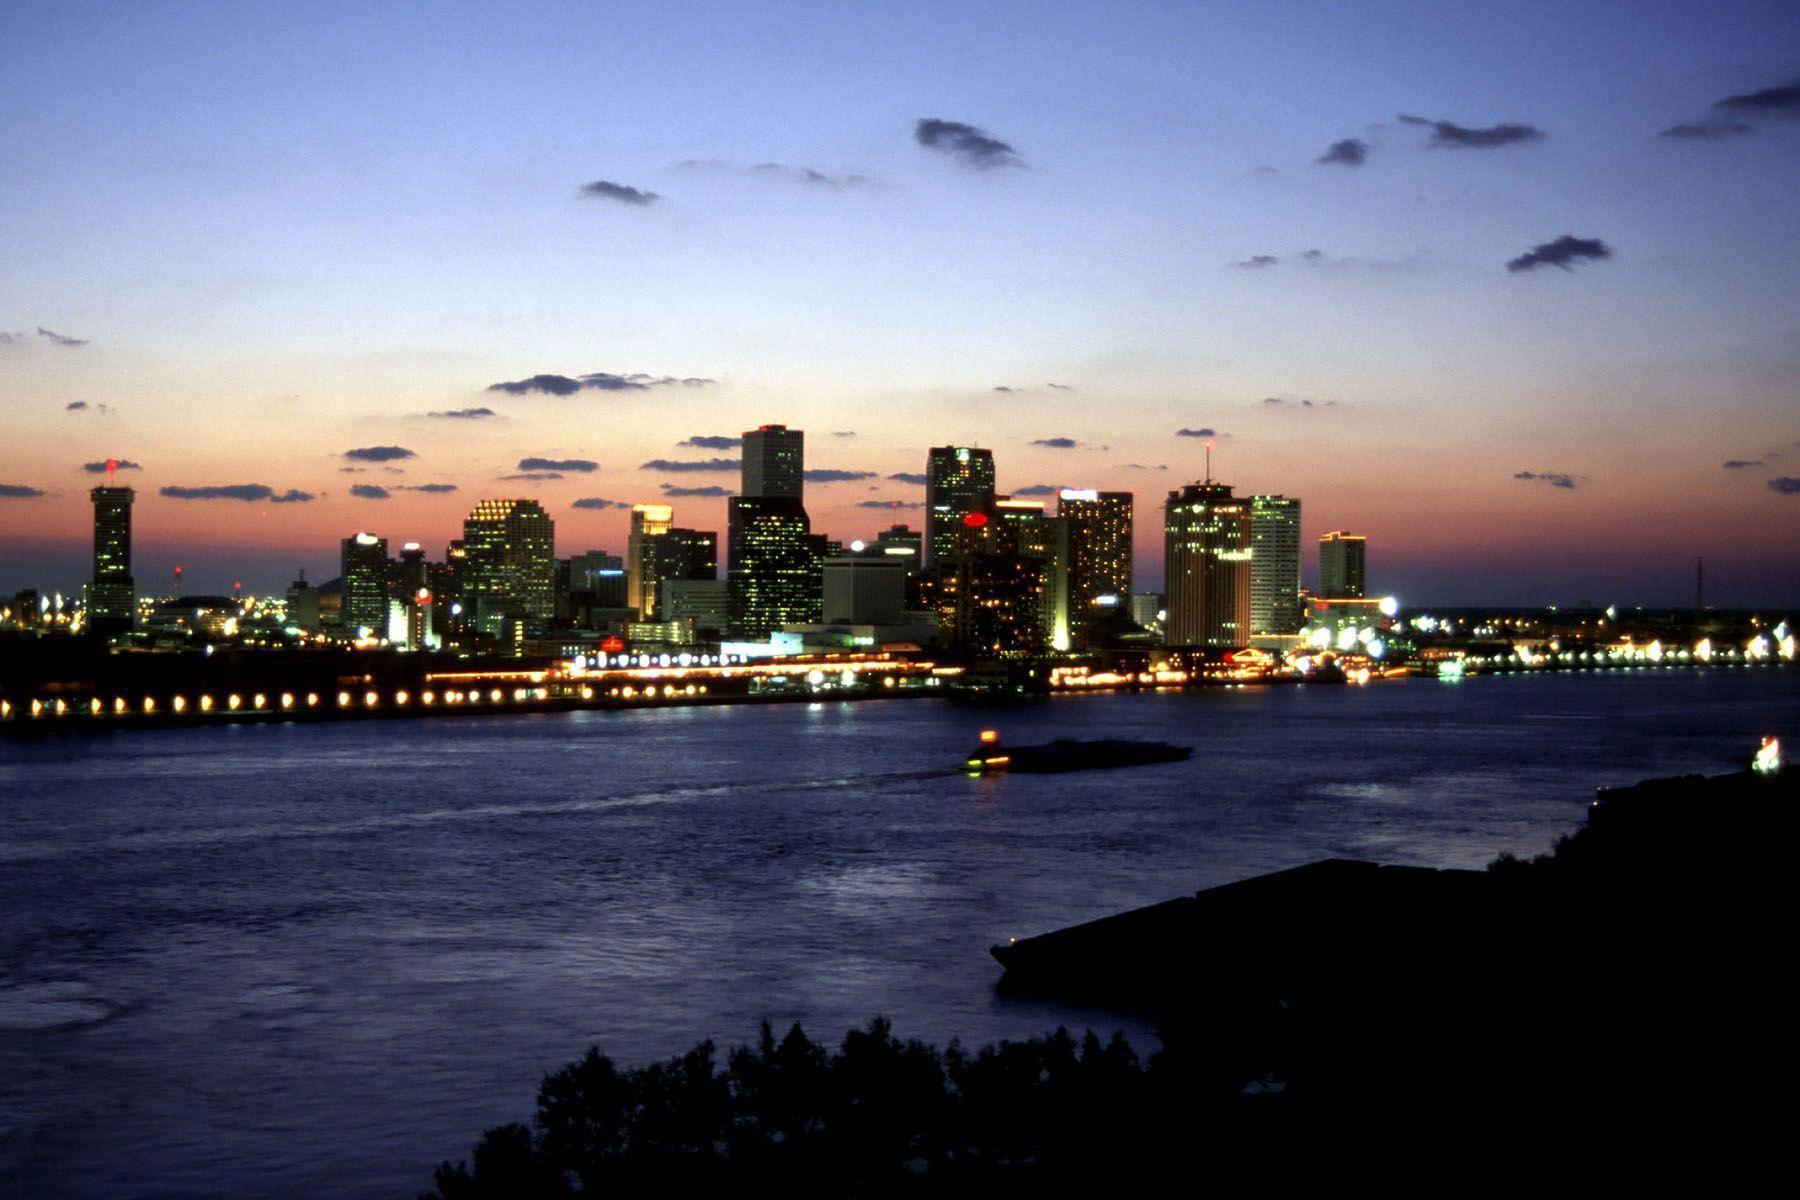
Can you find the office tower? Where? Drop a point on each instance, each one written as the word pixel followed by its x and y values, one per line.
pixel 1274 564
pixel 689 554
pixel 365 573
pixel 649 523
pixel 774 462
pixel 1206 567
pixel 706 603
pixel 412 574
pixel 959 480
pixel 302 604
pixel 989 596
pixel 864 590
pixel 509 563
pixel 902 543
pixel 1099 526
pixel 598 575
pixel 1146 607
pixel 1342 559
pixel 774 570
pixel 111 601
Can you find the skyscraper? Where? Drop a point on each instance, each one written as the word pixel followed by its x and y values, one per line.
pixel 989 596
pixel 904 543
pixel 959 480
pixel 366 575
pixel 649 523
pixel 111 601
pixel 1275 565
pixel 1099 549
pixel 1342 561
pixel 1206 567
pixel 774 462
pixel 509 563
pixel 774 572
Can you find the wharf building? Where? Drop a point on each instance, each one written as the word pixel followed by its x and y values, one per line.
pixel 111 596
pixel 959 480
pixel 508 570
pixel 1343 559
pixel 1275 565
pixel 1207 552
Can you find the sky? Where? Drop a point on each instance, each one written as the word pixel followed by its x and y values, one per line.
pixel 1508 289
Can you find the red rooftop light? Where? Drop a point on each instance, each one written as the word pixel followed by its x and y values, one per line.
pixel 975 520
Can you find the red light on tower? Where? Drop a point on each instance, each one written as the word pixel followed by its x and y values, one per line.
pixel 975 520
pixel 112 471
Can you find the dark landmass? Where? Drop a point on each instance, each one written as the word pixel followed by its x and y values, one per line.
pixel 1621 1006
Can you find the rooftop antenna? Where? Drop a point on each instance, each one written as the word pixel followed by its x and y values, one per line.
pixel 1209 460
pixel 178 579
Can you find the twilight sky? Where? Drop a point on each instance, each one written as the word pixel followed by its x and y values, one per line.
pixel 1516 326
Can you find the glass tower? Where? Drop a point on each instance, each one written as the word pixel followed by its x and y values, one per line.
pixel 775 462
pixel 509 562
pixel 1342 560
pixel 1206 567
pixel 112 595
pixel 773 579
pixel 959 480
pixel 1275 567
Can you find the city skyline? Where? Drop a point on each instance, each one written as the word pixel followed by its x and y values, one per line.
pixel 313 273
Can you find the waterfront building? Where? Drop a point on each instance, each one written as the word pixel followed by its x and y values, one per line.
pixel 111 595
pixel 774 566
pixel 989 597
pixel 959 480
pixel 643 560
pixel 509 564
pixel 774 462
pixel 1275 564
pixel 1207 551
pixel 1342 565
pixel 864 590
pixel 364 569
pixel 1099 552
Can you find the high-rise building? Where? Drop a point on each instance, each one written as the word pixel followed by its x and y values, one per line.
pixel 774 569
pixel 366 575
pixel 864 589
pixel 509 563
pixel 302 604
pixel 904 543
pixel 111 601
pixel 1099 526
pixel 1275 564
pixel 598 575
pixel 704 603
pixel 1206 567
pixel 689 554
pixel 959 480
pixel 649 523
pixel 774 462
pixel 1342 564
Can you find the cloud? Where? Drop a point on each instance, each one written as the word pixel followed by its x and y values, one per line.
pixel 98 467
pixel 1556 479
pixel 908 477
pixel 1004 390
pixel 368 491
pixel 1297 402
pixel 606 189
pixel 1205 431
pixel 1056 443
pixel 247 492
pixel 843 433
pixel 967 144
pixel 581 466
pixel 76 406
pixel 1351 152
pixel 600 381
pixel 597 502
pixel 808 176
pixel 1564 252
pixel 829 475
pixel 1256 261
pixel 61 339
pixel 550 385
pixel 709 442
pixel 8 339
pixel 1711 130
pixel 1036 489
pixel 465 414
pixel 1738 464
pixel 1059 387
pixel 890 504
pixel 1454 136
pixel 19 491
pixel 531 476
pixel 1782 100
pixel 1785 485
pixel 670 489
pixel 434 489
pixel 379 454
pixel 691 464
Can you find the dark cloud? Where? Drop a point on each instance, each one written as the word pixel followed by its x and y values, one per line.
pixel 1564 252
pixel 611 382
pixel 908 477
pixel 1450 134
pixel 691 464
pixel 61 339
pixel 550 385
pixel 670 489
pixel 531 477
pixel 465 414
pixel 1205 431
pixel 600 381
pixel 1036 489
pixel 1738 464
pixel 379 454
pixel 351 470
pixel 1705 131
pixel 709 442
pixel 1556 479
pixel 967 144
pixel 368 491
pixel 808 176
pixel 597 502
pixel 1256 261
pixel 890 504
pixel 1004 390
pixel 8 339
pixel 1059 387
pixel 76 406
pixel 1297 402
pixel 829 475
pixel 1782 100
pixel 581 466
pixel 247 492
pixel 606 189
pixel 1056 443
pixel 1785 485
pixel 843 433
pixel 434 489
pixel 98 467
pixel 19 491
pixel 1351 152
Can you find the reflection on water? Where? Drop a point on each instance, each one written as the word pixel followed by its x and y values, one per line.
pixel 314 960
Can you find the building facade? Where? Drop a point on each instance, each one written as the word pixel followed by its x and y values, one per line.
pixel 363 559
pixel 774 570
pixel 1343 560
pixel 1275 564
pixel 1099 554
pixel 509 563
pixel 1207 551
pixel 959 480
pixel 774 464
pixel 111 599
